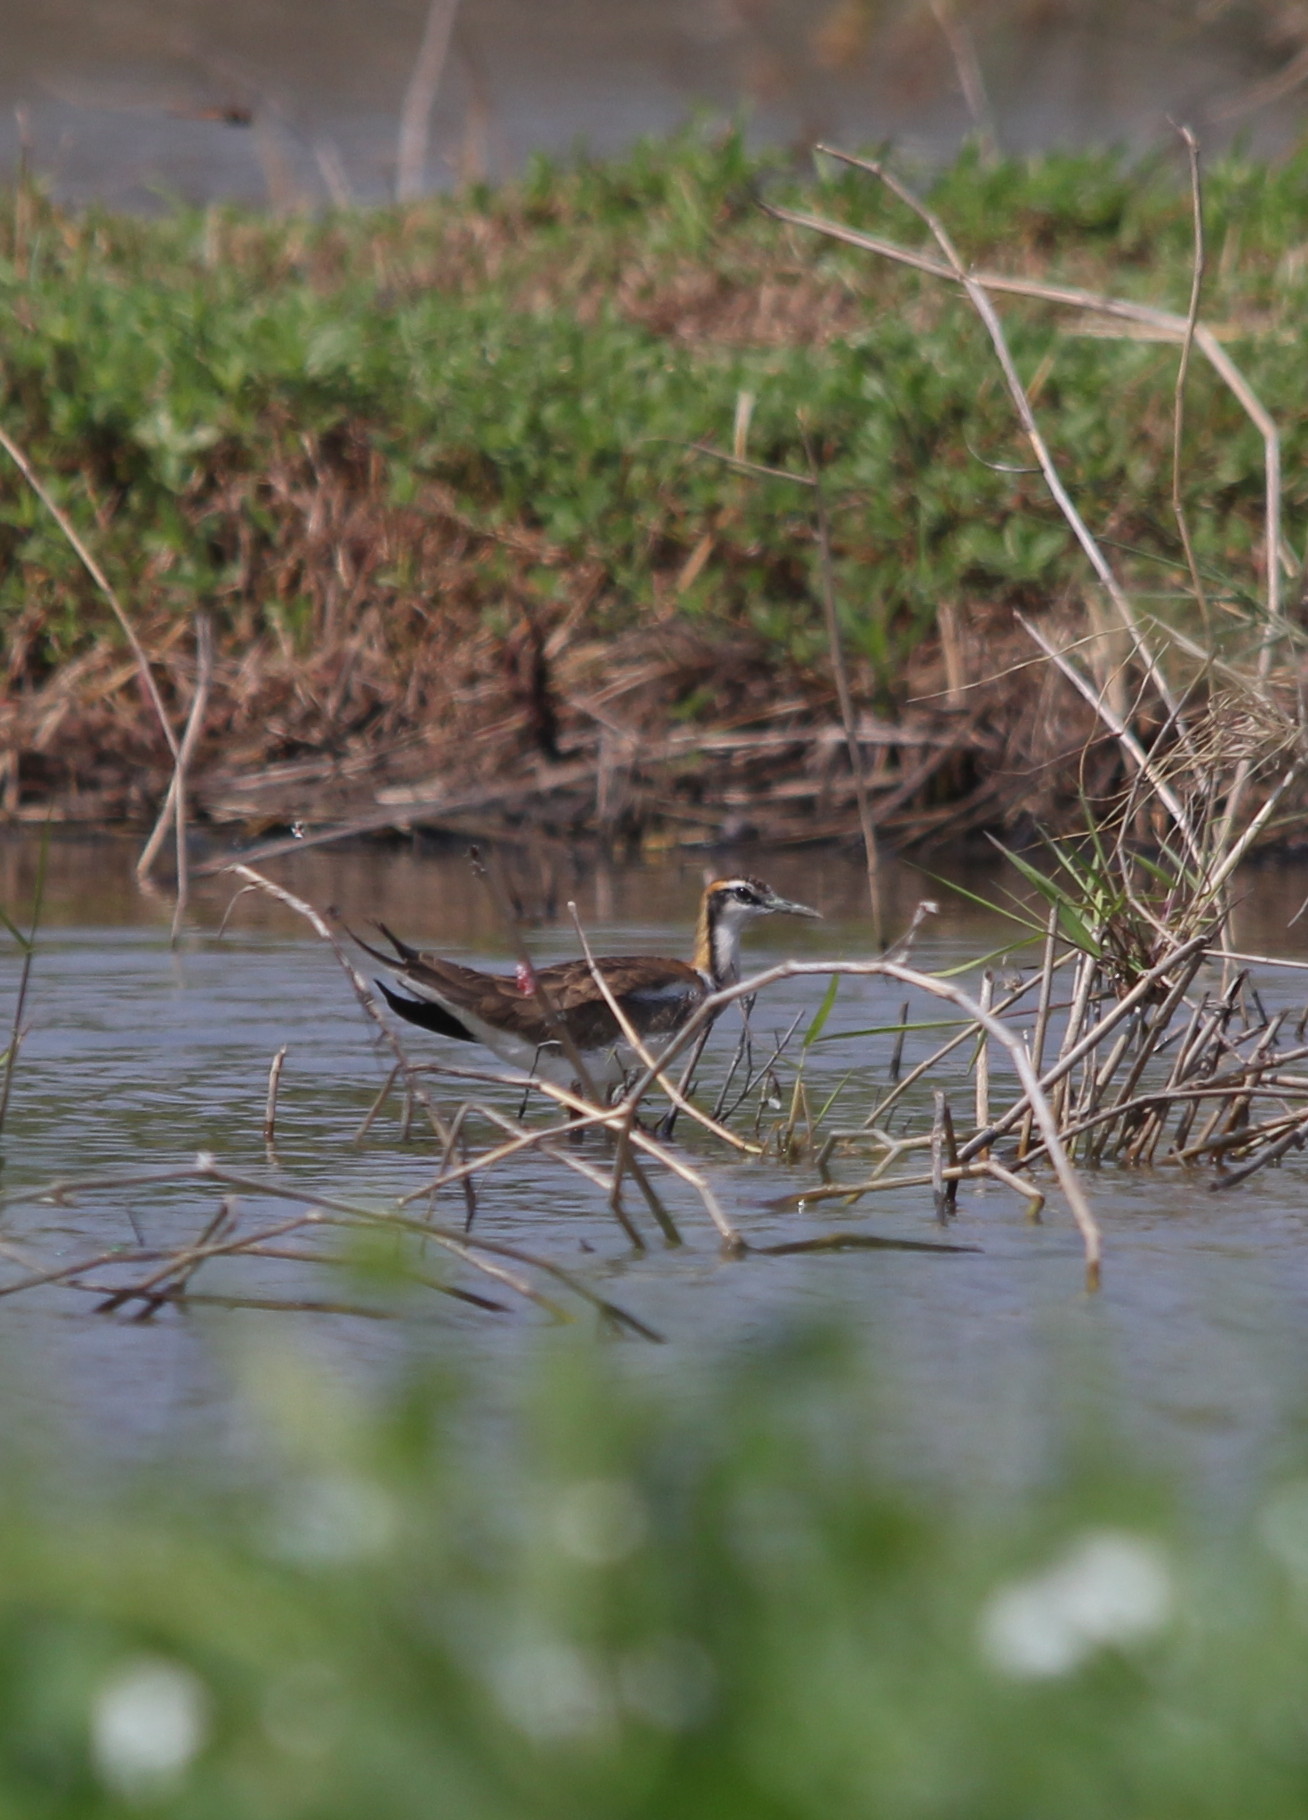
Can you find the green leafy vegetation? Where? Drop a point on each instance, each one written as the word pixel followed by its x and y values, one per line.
pixel 548 351
pixel 438 471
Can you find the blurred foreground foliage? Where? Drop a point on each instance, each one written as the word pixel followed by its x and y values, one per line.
pixel 624 1600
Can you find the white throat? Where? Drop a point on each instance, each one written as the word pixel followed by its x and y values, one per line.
pixel 726 949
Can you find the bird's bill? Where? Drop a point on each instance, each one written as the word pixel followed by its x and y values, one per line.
pixel 782 906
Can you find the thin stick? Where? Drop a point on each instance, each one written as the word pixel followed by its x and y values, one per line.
pixel 1084 982
pixel 1233 854
pixel 284 1304
pixel 1165 1097
pixel 897 1053
pixel 577 1164
pixel 165 819
pixel 97 575
pixel 1166 324
pixel 517 1140
pixel 1258 960
pixel 739 1055
pixel 184 1265
pixel 1032 1195
pixel 420 98
pixel 173 808
pixel 1017 391
pixel 938 1055
pixel 488 873
pixel 1293 1139
pixel 844 695
pixel 383 1094
pixel 756 1076
pixel 986 1001
pixel 28 945
pixel 613 1117
pixel 325 1260
pixel 270 1106
pixel 195 721
pixel 1183 368
pixel 954 995
pixel 944 1156
pixel 67 1271
pixel 325 1205
pixel 368 1005
pixel 1122 733
pixel 951 1176
pixel 632 1038
pixel 1093 1037
pixel 971 82
pixel 1042 1016
pixel 686 1083
pixel 1166 1012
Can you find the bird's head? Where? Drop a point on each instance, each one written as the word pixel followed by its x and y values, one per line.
pixel 729 905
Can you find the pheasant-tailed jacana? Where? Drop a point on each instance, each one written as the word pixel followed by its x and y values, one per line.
pixel 505 1010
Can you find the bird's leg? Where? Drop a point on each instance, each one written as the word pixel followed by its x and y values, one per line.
pixel 576 1136
pixel 668 1123
pixel 620 1089
pixel 526 1092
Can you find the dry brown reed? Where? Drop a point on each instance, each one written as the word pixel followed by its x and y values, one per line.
pixel 1171 1074
pixel 1145 1069
pixel 171 1267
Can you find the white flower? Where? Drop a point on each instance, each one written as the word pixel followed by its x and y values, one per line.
pixel 550 1689
pixel 148 1721
pixel 1109 1588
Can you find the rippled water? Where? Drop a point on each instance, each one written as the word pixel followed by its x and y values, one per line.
pixel 138 1056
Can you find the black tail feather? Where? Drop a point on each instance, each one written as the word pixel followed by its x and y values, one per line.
pixel 404 955
pixel 407 954
pixel 387 960
pixel 422 1011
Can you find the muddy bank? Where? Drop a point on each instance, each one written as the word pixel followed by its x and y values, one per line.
pixel 468 731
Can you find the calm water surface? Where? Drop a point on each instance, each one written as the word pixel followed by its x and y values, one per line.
pixel 298 102
pixel 138 1056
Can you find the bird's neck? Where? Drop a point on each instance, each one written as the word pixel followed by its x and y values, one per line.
pixel 717 948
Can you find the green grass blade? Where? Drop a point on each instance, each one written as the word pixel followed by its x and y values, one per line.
pixel 822 1013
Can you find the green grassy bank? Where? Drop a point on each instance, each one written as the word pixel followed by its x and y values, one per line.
pixel 416 454
pixel 642 1605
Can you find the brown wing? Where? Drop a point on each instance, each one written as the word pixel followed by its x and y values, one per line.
pixel 657 995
